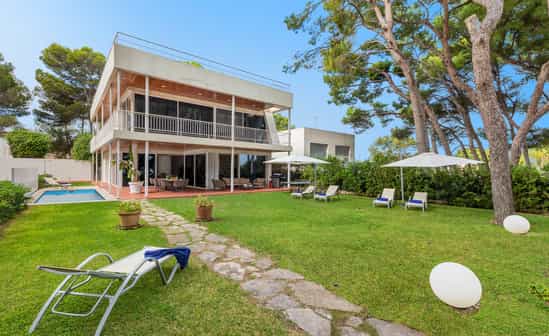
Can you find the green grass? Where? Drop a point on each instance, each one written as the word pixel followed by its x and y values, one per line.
pixel 197 302
pixel 381 258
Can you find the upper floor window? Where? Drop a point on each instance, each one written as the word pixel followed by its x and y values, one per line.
pixel 157 106
pixel 318 150
pixel 342 152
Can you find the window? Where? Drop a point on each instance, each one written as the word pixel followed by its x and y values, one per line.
pixel 225 166
pixel 240 119
pixel 342 152
pixel 157 106
pixel 195 112
pixel 318 150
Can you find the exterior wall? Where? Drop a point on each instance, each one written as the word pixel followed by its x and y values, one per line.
pixel 4 149
pixel 72 170
pixel 303 137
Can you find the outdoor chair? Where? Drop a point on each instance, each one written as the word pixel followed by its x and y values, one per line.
pixel 332 192
pixel 219 184
pixel 386 198
pixel 180 185
pixel 163 184
pixel 127 271
pixel 309 191
pixel 418 201
pixel 259 182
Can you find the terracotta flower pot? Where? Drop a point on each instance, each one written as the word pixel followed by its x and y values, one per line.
pixel 129 220
pixel 204 213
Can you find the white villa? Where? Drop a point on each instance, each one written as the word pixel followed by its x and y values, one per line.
pixel 182 115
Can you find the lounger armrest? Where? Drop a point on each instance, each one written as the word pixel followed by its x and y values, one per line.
pixel 93 256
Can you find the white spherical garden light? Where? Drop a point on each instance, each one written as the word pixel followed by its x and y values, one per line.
pixel 455 284
pixel 516 224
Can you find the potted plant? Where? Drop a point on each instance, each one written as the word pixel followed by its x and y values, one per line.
pixel 129 213
pixel 204 208
pixel 132 173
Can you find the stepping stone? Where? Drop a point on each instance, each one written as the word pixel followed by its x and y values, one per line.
pixel 240 253
pixel 385 328
pixel 230 270
pixel 212 237
pixel 251 269
pixel 282 302
pixel 312 294
pixel 170 230
pixel 196 234
pixel 264 263
pixel 309 321
pixel 198 247
pixel 349 331
pixel 217 248
pixel 324 313
pixel 354 321
pixel 177 239
pixel 264 288
pixel 207 257
pixel 282 274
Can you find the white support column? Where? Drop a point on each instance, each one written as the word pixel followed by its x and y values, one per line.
pixel 132 112
pixel 233 112
pixel 109 165
pixel 118 99
pixel 96 167
pixel 289 143
pixel 146 169
pixel 146 104
pixel 110 107
pixel 178 121
pixel 214 122
pixel 102 114
pixel 118 171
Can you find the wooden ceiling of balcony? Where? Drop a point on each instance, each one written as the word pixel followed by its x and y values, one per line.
pixel 138 81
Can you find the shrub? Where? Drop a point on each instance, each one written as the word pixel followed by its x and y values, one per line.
pixel 12 199
pixel 202 201
pixel 81 147
pixel 28 144
pixel 468 187
pixel 129 207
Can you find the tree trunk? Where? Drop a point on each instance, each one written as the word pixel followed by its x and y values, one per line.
pixel 526 155
pixel 434 142
pixel 500 172
pixel 441 136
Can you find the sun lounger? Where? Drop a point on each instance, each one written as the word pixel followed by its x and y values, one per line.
pixel 309 191
pixel 386 198
pixel 127 271
pixel 329 194
pixel 419 200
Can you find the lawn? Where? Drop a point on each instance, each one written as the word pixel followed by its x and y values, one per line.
pixel 197 302
pixel 381 258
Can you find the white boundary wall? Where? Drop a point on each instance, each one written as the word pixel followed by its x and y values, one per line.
pixel 63 169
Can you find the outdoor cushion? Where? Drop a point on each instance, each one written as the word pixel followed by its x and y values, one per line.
pixel 383 199
pixel 415 201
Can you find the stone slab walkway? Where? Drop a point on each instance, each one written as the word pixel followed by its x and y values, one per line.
pixel 310 306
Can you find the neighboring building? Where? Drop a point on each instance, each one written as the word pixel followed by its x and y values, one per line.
pixel 320 143
pixel 188 120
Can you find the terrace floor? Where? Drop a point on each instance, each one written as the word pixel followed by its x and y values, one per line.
pixel 187 192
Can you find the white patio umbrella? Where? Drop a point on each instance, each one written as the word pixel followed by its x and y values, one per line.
pixel 296 160
pixel 429 160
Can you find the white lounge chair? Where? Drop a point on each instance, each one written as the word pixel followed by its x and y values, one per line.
pixel 127 270
pixel 329 194
pixel 309 191
pixel 386 198
pixel 418 201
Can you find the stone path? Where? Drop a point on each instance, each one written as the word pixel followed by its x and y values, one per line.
pixel 311 307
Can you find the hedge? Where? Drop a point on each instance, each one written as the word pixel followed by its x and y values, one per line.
pixel 468 187
pixel 27 144
pixel 12 199
pixel 81 147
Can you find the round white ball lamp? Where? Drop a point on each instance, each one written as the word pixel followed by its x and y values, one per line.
pixel 516 224
pixel 455 284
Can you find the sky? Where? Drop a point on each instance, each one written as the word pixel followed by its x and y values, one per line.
pixel 247 34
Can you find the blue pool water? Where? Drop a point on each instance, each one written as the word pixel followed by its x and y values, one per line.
pixel 68 196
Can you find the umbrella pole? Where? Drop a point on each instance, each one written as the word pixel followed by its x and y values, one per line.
pixel 314 173
pixel 402 184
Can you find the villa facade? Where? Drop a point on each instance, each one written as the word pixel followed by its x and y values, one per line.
pixel 184 116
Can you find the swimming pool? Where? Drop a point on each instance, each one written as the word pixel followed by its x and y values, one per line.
pixel 69 196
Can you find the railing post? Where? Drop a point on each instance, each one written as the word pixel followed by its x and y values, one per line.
pixel 146 104
pixel 118 99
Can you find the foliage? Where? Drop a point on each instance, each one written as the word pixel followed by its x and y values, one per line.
pixel 14 96
pixel 81 147
pixel 65 91
pixel 12 199
pixel 42 181
pixel 28 144
pixel 281 122
pixel 469 187
pixel 194 64
pixel 203 201
pixel 131 171
pixel 129 207
pixel 398 143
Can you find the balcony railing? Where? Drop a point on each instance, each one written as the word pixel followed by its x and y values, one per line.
pixel 159 124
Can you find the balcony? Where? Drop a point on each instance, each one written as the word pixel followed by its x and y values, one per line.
pixel 159 124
